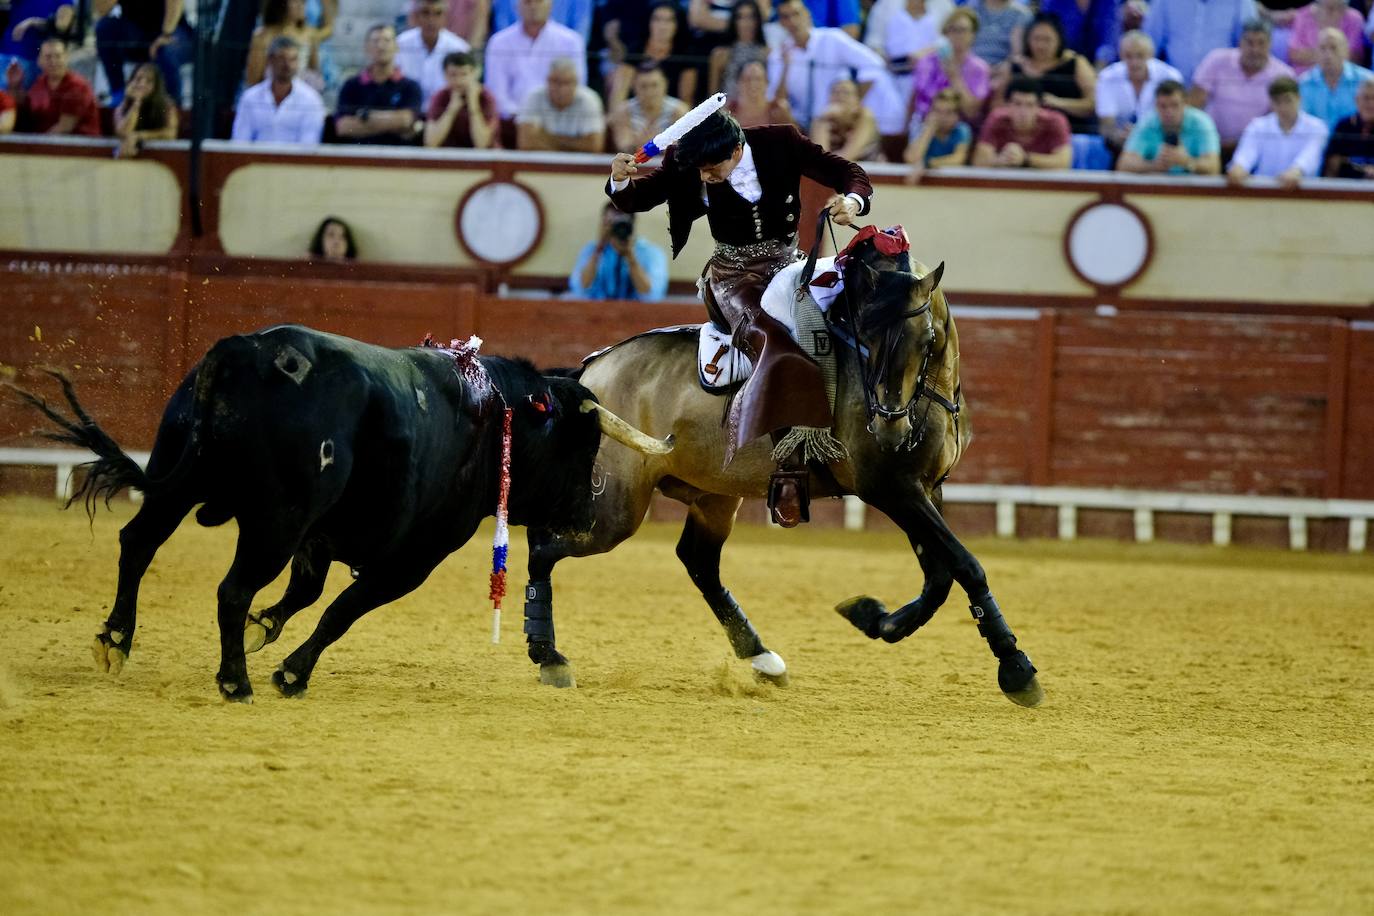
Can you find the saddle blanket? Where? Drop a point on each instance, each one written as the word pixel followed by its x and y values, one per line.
pixel 721 366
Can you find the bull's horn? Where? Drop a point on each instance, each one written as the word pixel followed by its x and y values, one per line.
pixel 626 434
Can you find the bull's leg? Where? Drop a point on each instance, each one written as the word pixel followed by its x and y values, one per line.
pixel 377 584
pixel 263 551
pixel 309 569
pixel 139 541
pixel 710 519
pixel 919 517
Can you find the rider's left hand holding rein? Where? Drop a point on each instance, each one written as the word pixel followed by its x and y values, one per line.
pixel 843 210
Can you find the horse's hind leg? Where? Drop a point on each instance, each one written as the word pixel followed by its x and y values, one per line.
pixel 710 519
pixel 139 541
pixel 309 569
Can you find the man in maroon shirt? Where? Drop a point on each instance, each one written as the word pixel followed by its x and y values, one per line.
pixel 462 114
pixel 59 101
pixel 747 183
pixel 1024 134
pixel 7 112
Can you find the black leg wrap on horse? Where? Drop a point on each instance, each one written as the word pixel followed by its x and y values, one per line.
pixel 743 638
pixel 1014 670
pixel 539 611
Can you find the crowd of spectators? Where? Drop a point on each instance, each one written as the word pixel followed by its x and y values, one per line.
pixel 1168 87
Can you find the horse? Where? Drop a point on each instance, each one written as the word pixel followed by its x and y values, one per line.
pixel 899 413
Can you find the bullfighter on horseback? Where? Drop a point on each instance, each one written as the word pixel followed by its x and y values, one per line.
pixel 748 185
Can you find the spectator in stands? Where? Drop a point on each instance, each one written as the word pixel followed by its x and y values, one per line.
pixel 1350 153
pixel 468 19
pixel 147 112
pixel 1279 14
pixel 282 108
pixel 63 23
pixel 1308 23
pixel 1024 133
pixel 153 30
pixel 1186 31
pixel 619 264
pixel 744 43
pixel 571 14
pixel 1232 84
pixel 846 127
pixel 561 115
pixel 881 13
pixel 8 112
pixel 1068 82
pixel 954 66
pixel 941 140
pixel 1328 89
pixel 333 241
pixel 519 56
pixel 1001 29
pixel 716 19
pixel 58 101
pixel 1090 29
pixel 462 114
pixel 1286 144
pixel 666 49
pixel 750 104
pixel 1175 138
pixel 912 32
pixel 640 118
pixel 422 52
pixel 844 15
pixel 805 64
pixel 1126 89
pixel 287 17
pixel 381 104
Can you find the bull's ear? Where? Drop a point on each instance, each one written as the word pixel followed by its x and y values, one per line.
pixel 931 281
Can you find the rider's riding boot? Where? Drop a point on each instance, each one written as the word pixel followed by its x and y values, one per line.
pixel 789 498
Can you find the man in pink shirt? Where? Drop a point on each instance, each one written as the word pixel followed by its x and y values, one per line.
pixel 1232 84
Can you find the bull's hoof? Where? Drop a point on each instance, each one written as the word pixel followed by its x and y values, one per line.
pixel 864 612
pixel 288 683
pixel 1031 696
pixel 556 675
pixel 236 691
pixel 1016 677
pixel 110 651
pixel 769 668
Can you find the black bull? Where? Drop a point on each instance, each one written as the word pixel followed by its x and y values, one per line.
pixel 325 448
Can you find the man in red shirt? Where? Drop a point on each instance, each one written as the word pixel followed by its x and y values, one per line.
pixel 1024 134
pixel 59 101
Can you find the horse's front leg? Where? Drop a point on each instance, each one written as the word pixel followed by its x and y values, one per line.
pixel 871 616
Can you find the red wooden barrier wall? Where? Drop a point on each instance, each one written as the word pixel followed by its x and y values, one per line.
pixel 1205 403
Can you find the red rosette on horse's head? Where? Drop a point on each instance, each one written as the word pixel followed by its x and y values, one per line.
pixel 890 242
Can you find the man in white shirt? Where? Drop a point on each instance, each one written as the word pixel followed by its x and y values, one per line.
pixel 1126 89
pixel 810 60
pixel 562 115
pixel 519 57
pixel 1286 144
pixel 420 51
pixel 282 108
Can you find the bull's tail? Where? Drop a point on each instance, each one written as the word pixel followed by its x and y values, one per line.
pixel 112 471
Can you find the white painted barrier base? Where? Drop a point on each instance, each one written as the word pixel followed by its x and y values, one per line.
pixel 1143 504
pixel 64 462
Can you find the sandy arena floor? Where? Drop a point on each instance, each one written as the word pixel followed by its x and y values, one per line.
pixel 1205 747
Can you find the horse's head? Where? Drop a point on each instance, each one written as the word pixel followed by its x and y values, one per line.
pixel 893 317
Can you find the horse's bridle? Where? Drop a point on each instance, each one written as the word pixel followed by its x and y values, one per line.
pixel 869 374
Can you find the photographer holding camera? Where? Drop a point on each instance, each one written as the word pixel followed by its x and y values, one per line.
pixel 618 265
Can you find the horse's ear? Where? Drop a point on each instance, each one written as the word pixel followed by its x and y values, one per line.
pixel 931 281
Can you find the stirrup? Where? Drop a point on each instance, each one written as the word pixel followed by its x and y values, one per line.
pixel 789 499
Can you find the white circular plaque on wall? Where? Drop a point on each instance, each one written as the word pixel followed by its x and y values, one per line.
pixel 500 222
pixel 1108 244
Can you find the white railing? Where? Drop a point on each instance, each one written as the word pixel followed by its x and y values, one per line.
pixel 1143 504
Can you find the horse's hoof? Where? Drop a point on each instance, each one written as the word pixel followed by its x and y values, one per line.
pixel 770 669
pixel 288 684
pixel 1030 696
pixel 864 612
pixel 234 692
pixel 557 676
pixel 254 637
